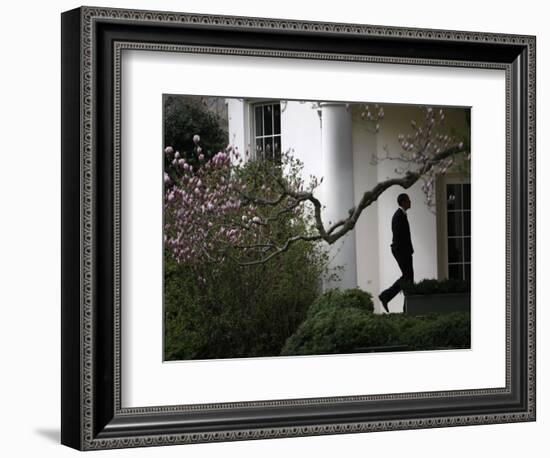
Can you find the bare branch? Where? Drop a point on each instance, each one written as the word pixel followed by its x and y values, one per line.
pixel 340 228
pixel 277 250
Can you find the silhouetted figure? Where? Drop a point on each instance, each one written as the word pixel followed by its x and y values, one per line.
pixel 401 249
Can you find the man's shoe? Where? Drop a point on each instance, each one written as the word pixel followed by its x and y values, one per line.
pixel 384 304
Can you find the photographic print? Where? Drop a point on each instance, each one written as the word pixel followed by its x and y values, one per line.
pixel 306 227
pixel 292 219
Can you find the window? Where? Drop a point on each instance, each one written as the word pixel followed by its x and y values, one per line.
pixel 458 230
pixel 267 130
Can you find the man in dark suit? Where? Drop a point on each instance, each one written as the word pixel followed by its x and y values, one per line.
pixel 401 249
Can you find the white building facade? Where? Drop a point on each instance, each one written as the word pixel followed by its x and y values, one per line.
pixel 334 142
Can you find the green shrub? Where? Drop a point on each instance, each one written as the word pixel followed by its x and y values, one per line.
pixel 439 331
pixel 340 299
pixel 231 310
pixel 347 329
pixel 339 330
pixel 238 311
pixel 431 286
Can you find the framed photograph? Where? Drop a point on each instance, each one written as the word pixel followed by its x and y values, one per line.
pixel 276 228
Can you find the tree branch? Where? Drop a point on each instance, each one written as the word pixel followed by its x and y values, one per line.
pixel 277 250
pixel 345 225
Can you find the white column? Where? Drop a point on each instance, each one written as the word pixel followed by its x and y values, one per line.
pixel 338 193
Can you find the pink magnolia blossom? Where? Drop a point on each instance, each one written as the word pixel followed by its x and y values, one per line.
pixel 204 213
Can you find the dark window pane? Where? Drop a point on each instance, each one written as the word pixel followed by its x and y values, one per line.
pixel 259 146
pixel 268 119
pixel 454 197
pixel 467 223
pixel 456 271
pixel 258 121
pixel 455 249
pixel 467 272
pixel 277 119
pixel 269 148
pixel 466 196
pixel 277 144
pixel 277 157
pixel 454 223
pixel 467 249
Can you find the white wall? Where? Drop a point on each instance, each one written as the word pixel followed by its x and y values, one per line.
pixel 301 131
pixel 30 241
pixel 365 144
pixel 236 119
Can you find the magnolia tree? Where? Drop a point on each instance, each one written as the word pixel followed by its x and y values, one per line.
pixel 230 208
pixel 250 211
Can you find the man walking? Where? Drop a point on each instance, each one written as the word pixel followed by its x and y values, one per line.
pixel 401 249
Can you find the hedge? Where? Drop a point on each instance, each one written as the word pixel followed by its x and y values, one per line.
pixel 334 325
pixel 430 286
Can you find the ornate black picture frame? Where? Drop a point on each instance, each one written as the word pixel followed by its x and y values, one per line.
pixel 92 42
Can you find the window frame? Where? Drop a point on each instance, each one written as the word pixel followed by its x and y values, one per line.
pixel 252 104
pixel 441 219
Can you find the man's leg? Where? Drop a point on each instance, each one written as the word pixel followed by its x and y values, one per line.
pixel 407 275
pixel 406 266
